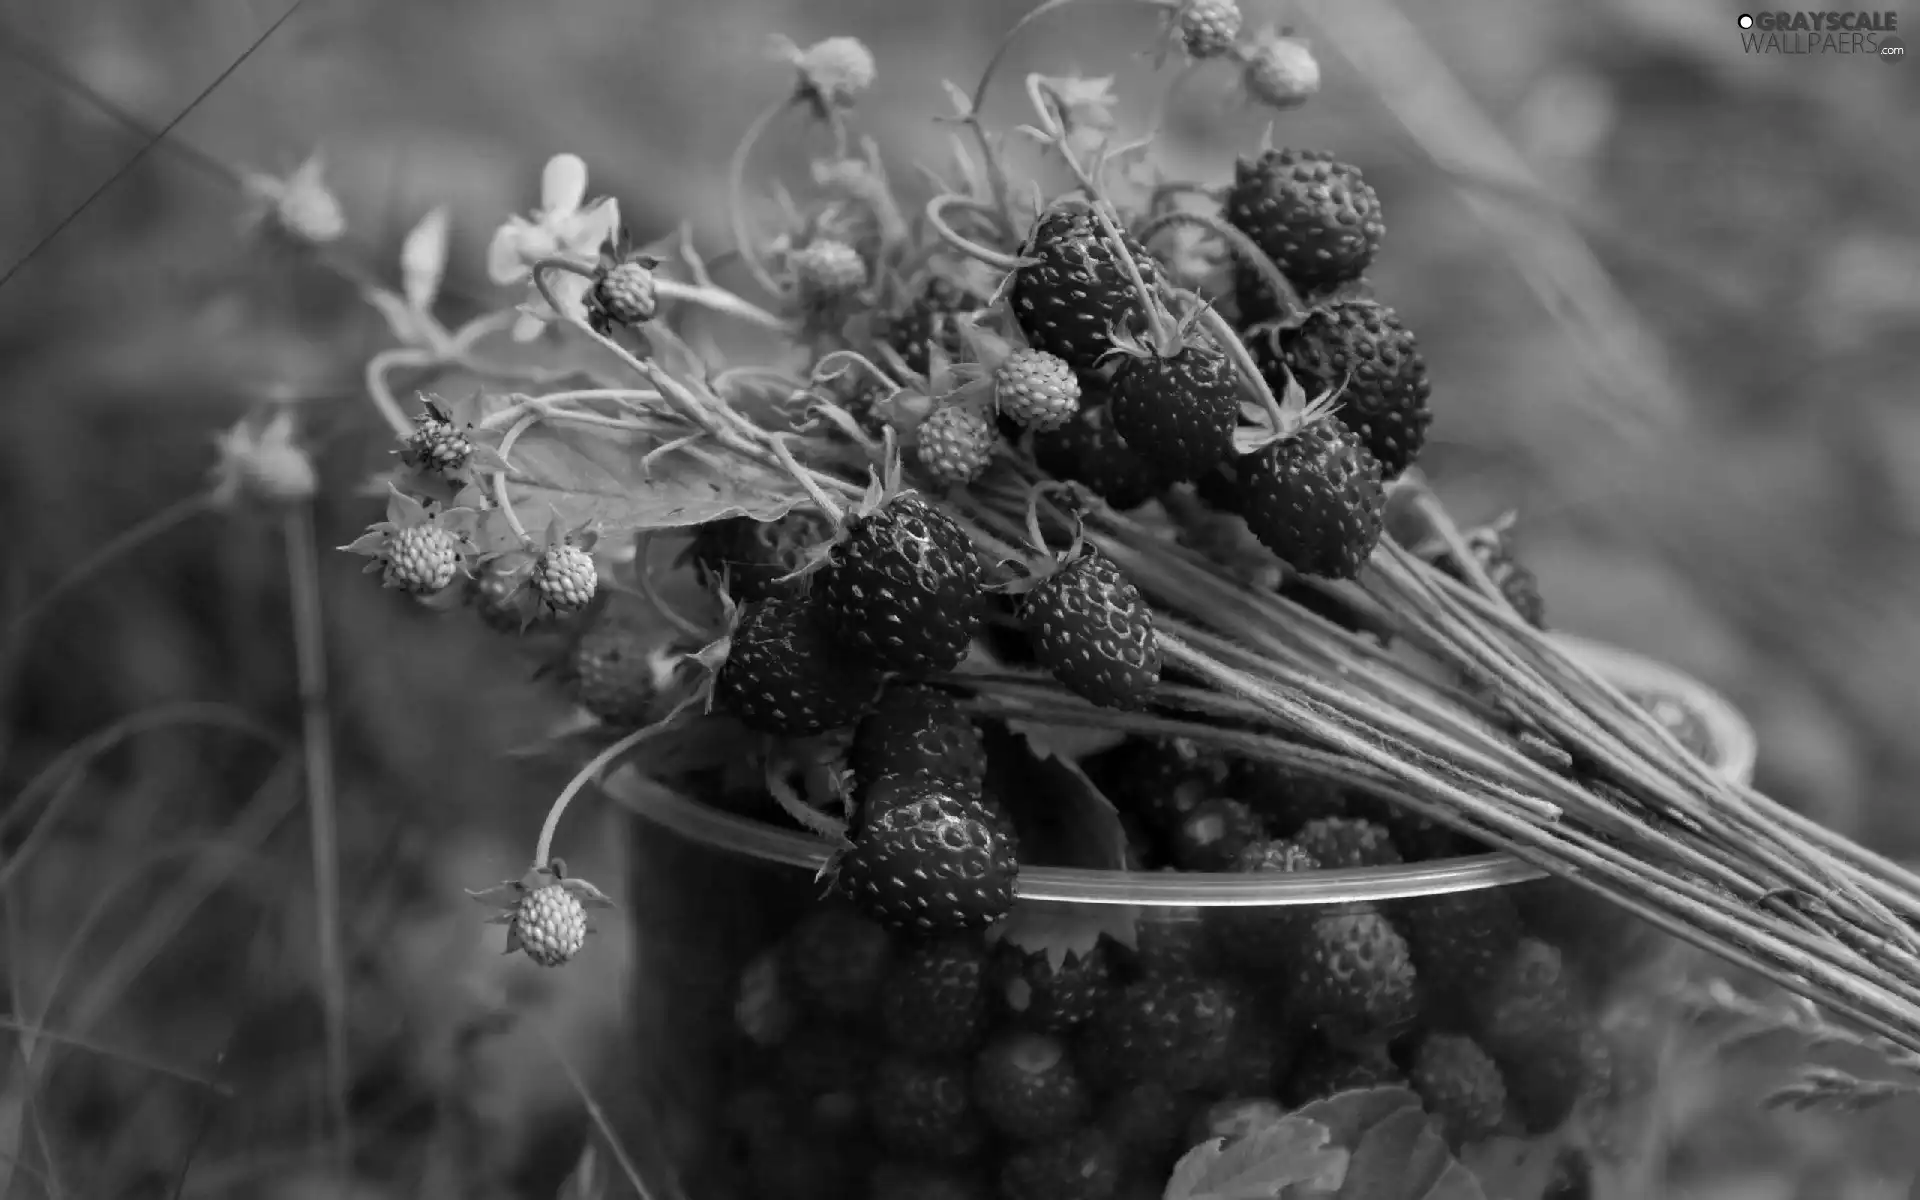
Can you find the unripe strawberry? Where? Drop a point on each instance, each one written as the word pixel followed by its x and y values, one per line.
pixel 834 72
pixel 1279 71
pixel 436 443
pixel 564 578
pixel 421 559
pixel 503 601
pixel 626 294
pixel 956 445
pixel 1208 27
pixel 549 924
pixel 827 272
pixel 1037 389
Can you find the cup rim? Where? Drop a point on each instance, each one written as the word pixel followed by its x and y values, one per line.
pixel 1735 753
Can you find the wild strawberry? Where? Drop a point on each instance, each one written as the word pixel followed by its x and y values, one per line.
pixel 549 924
pixel 1313 215
pixel 1025 1086
pixel 1460 1086
pixel 436 443
pixel 1208 27
pixel 1178 1030
pixel 1069 301
pixel 1533 1023
pixel 930 862
pixel 1286 799
pixel 1418 838
pixel 1037 389
pixel 1088 450
pixel 955 445
pixel 1213 836
pixel 1172 943
pixel 1161 780
pixel 928 321
pixel 903 587
pixel 421 559
pixel 934 1001
pixel 1176 401
pixel 612 669
pixel 915 1181
pixel 1277 70
pixel 1315 499
pixel 826 274
pixel 1094 631
pixel 564 578
pixel 1322 1071
pixel 1261 941
pixel 837 959
pixel 1492 547
pixel 1460 941
pixel 1083 1165
pixel 1341 843
pixel 1049 988
pixel 502 599
pixel 753 558
pixel 1359 351
pixel 785 674
pixel 1354 975
pixel 825 1069
pixel 923 1108
pixel 917 731
pixel 624 293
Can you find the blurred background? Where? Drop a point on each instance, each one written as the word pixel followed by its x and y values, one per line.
pixel 1668 292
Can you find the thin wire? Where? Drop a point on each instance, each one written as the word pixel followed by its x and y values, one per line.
pixel 148 145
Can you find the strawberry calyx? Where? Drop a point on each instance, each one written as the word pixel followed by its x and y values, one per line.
pixel 1294 414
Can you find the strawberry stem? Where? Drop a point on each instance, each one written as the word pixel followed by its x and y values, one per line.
pixel 1250 376
pixel 543 848
pixel 805 815
pixel 806 479
pixel 1243 248
pixel 937 220
pixel 643 583
pixel 743 240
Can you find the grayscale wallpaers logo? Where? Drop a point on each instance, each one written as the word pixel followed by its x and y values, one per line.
pixel 1872 34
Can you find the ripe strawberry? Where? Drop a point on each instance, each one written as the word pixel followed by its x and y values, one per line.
pixel 436 443
pixel 837 959
pixel 826 274
pixel 956 445
pixel 1492 547
pixel 1418 837
pixel 502 600
pixel 1037 389
pixel 785 673
pixel 930 862
pixel 1069 301
pixel 917 731
pixel 1286 799
pixel 914 1181
pixel 1460 942
pixel 1460 1086
pixel 1314 216
pixel 752 558
pixel 625 294
pixel 549 924
pixel 1359 350
pixel 1176 402
pixel 1322 1071
pixel 421 559
pixel 1050 989
pixel 1261 941
pixel 927 321
pixel 1178 1030
pixel 1025 1085
pixel 1213 836
pixel 903 587
pixel 611 669
pixel 1084 1165
pixel 935 1000
pixel 1208 27
pixel 1315 499
pixel 1088 450
pixel 1092 629
pixel 1160 780
pixel 1339 843
pixel 923 1108
pixel 1353 974
pixel 564 578
pixel 1533 1023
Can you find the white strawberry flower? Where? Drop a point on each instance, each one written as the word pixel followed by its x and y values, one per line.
pixel 566 226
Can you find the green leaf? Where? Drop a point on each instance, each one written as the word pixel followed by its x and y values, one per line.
pixel 1258 1167
pixel 1062 930
pixel 1348 1115
pixel 1397 1153
pixel 581 475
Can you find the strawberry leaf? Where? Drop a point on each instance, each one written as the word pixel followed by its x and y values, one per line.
pixel 1396 1153
pixel 1350 1114
pixel 1063 932
pixel 1259 1166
